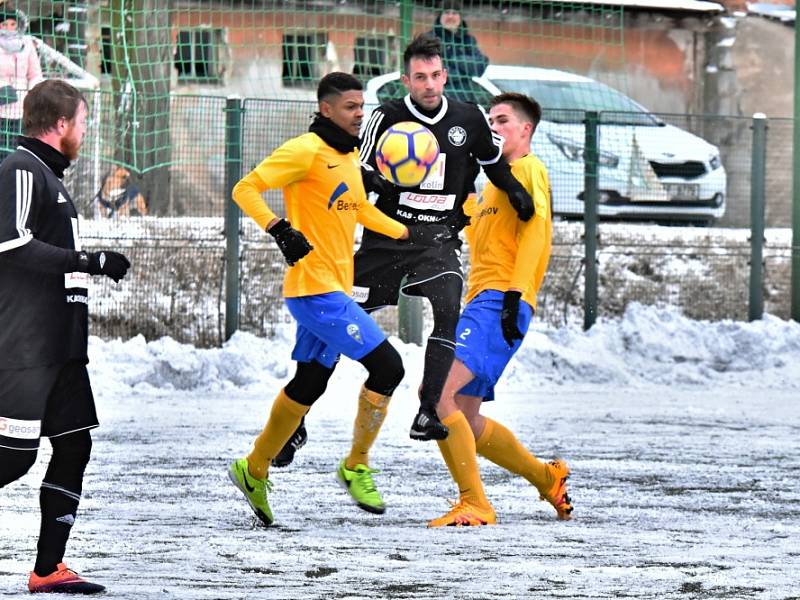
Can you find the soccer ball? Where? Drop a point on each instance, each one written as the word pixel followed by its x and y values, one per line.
pixel 406 152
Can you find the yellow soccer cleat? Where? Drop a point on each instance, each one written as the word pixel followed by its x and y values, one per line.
pixel 557 495
pixel 464 514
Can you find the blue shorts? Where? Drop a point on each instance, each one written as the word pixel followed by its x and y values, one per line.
pixel 480 344
pixel 332 324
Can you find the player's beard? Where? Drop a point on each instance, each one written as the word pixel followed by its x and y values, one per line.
pixel 70 144
pixel 429 101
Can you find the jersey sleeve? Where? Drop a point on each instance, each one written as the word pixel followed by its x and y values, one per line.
pixel 16 216
pixel 18 245
pixel 372 218
pixel 370 133
pixel 40 256
pixel 532 234
pixel 288 164
pixel 488 147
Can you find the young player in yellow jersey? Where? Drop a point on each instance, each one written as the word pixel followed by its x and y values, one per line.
pixel 320 175
pixel 508 262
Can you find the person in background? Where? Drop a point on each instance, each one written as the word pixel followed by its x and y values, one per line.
pixel 20 70
pixel 462 57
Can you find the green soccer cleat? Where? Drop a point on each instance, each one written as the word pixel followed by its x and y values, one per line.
pixel 255 490
pixel 359 484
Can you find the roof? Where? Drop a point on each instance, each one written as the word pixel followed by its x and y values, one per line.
pixel 695 6
pixel 539 74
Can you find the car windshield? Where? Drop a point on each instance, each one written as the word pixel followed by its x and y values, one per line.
pixel 566 101
pixel 391 90
pixel 462 89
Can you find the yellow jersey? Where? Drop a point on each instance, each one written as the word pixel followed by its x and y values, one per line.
pixel 325 198
pixel 505 252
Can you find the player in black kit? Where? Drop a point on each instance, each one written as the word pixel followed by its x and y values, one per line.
pixel 464 137
pixel 465 141
pixel 44 384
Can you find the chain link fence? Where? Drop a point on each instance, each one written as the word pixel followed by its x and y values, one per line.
pixel 177 285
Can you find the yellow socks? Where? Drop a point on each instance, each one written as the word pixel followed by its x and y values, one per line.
pixel 283 420
pixel 458 451
pixel 500 445
pixel 372 409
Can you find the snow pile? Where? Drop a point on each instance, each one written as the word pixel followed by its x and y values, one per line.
pixel 647 345
pixel 167 365
pixel 659 345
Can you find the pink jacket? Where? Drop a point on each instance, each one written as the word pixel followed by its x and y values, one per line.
pixel 22 70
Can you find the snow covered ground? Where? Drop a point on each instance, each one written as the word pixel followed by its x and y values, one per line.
pixel 683 437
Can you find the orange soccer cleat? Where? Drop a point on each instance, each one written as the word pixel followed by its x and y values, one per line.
pixel 464 514
pixel 63 580
pixel 557 495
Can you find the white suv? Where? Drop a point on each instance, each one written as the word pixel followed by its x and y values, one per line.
pixel 647 169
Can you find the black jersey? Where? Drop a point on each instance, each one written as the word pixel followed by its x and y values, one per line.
pixel 464 137
pixel 43 313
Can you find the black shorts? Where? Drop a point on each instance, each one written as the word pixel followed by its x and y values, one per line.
pixel 44 402
pixel 379 272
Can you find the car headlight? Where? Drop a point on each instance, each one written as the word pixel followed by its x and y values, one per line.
pixel 715 162
pixel 574 151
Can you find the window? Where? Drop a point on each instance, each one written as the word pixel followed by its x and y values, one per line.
pixel 303 55
pixel 105 44
pixel 466 90
pixel 391 90
pixel 197 56
pixel 568 101
pixel 370 57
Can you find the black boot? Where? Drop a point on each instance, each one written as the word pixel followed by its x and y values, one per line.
pixel 427 426
pixel 297 441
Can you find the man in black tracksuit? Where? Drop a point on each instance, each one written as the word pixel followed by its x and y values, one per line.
pixel 44 384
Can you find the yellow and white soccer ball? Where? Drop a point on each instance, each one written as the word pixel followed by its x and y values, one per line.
pixel 406 152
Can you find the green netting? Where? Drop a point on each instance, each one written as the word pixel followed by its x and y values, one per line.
pixel 157 75
pixel 138 53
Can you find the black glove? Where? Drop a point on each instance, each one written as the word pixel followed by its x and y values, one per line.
pixel 105 262
pixel 508 318
pixel 374 182
pixel 430 234
pixel 292 243
pixel 460 221
pixel 522 202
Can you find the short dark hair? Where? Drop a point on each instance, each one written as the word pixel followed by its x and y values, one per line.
pixel 335 84
pixel 46 103
pixel 523 105
pixel 424 46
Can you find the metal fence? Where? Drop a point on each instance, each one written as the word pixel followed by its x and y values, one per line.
pixel 651 255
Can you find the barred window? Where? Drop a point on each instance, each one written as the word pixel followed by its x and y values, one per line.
pixel 370 57
pixel 197 56
pixel 303 57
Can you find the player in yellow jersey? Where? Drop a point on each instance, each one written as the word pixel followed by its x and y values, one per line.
pixel 320 175
pixel 508 262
